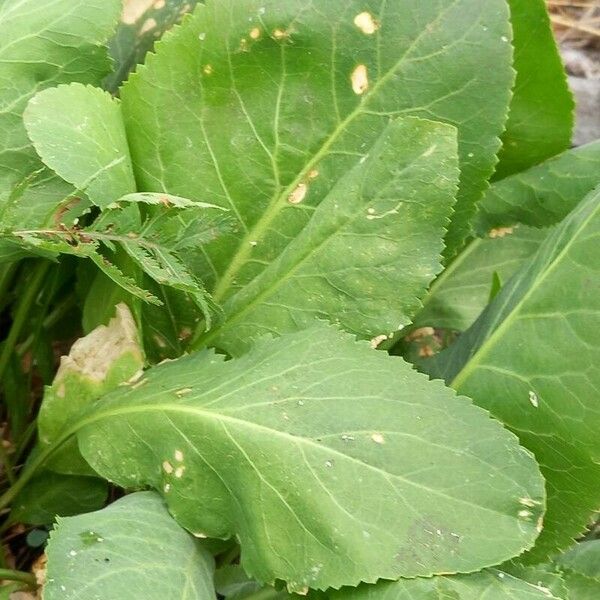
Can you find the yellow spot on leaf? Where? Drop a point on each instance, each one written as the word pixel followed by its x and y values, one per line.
pixel 148 25
pixel 208 70
pixel 530 503
pixel 500 232
pixel 255 33
pixel 298 194
pixel 280 34
pixel 376 341
pixel 366 23
pixel 360 80
pixel 167 467
pixel 133 10
pixel 378 438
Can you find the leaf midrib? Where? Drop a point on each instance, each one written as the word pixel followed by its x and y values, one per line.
pixel 240 423
pixel 279 199
pixel 309 253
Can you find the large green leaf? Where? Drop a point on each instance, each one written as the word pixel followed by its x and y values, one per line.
pixel 44 44
pixel 86 123
pixel 492 585
pixel 97 363
pixel 541 113
pixel 369 251
pixel 459 295
pixel 142 23
pixel 330 462
pixel 269 103
pixel 543 195
pixel 533 359
pixel 133 549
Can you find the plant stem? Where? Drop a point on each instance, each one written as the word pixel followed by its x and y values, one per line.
pixel 6 463
pixel 6 276
pixel 12 575
pixel 23 308
pixel 264 594
pixel 49 320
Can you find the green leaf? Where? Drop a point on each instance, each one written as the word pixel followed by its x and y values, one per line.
pixel 330 462
pixel 543 195
pixel 492 584
pixel 462 291
pixel 533 359
pixel 232 583
pixel 541 114
pixel 96 364
pixel 370 250
pixel 158 243
pixel 168 329
pixel 581 587
pixel 142 23
pixel 51 494
pixel 84 122
pixel 582 558
pixel 41 45
pixel 270 103
pixel 132 549
pixel 42 199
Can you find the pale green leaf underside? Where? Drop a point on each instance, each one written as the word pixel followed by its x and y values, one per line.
pixel 370 250
pixel 330 462
pixel 459 295
pixel 487 585
pixel 44 44
pixel 541 114
pixel 78 132
pixel 267 103
pixel 543 195
pixel 533 359
pixel 133 549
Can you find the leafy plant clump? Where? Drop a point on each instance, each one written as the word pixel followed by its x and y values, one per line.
pixel 323 278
